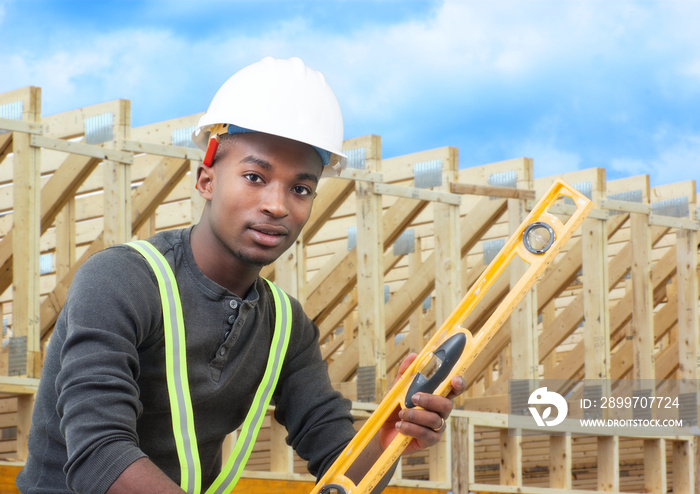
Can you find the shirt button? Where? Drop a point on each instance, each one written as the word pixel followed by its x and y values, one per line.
pixel 233 304
pixel 222 352
pixel 231 319
pixel 227 334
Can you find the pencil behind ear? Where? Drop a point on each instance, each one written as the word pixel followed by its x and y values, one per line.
pixel 211 150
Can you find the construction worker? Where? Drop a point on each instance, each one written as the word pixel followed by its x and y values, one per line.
pixel 164 347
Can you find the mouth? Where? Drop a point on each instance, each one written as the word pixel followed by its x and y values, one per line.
pixel 269 235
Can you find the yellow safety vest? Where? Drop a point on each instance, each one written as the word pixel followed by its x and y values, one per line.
pixel 178 385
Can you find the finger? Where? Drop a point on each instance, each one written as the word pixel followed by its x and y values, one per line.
pixel 459 386
pixel 407 363
pixel 423 418
pixel 416 426
pixel 434 403
pixel 403 367
pixel 424 436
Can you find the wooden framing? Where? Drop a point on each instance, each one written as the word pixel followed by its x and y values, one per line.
pixel 620 302
pixel 371 341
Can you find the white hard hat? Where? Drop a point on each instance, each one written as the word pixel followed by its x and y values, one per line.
pixel 279 97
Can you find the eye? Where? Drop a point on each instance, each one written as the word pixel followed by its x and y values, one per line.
pixel 253 177
pixel 302 190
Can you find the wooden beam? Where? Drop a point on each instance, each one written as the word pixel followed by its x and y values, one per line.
pixel 642 323
pixel 331 195
pixel 462 454
pixel 330 285
pixel 155 188
pixel 89 150
pixel 446 218
pixel 185 153
pixel 687 279
pixel 560 462
pixel 19 385
pixel 25 407
pixel 25 127
pixel 511 468
pixel 289 269
pixel 337 317
pixel 683 467
pixel 685 456
pixel 117 185
pixel 371 371
pixel 655 465
pixel 487 190
pixel 549 361
pixel 608 463
pixel 448 281
pixel 416 341
pixel 595 292
pixel 26 239
pixel 415 193
pixel 65 239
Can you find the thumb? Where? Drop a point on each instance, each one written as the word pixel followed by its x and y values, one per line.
pixel 403 367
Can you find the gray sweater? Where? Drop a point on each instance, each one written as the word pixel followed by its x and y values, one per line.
pixel 103 403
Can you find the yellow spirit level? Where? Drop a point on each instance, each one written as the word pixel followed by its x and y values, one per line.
pixel 536 241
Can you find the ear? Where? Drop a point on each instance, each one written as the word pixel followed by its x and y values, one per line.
pixel 205 177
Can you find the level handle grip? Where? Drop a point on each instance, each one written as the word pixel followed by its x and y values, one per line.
pixel 448 353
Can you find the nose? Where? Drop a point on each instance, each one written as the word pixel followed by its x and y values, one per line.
pixel 274 201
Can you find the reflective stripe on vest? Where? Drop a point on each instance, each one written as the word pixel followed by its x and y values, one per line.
pixel 178 385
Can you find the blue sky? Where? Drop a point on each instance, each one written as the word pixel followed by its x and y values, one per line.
pixel 572 84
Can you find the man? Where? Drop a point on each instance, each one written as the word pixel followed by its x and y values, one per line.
pixel 105 419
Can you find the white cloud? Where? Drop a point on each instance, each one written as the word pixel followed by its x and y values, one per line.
pixel 151 68
pixel 676 159
pixel 377 69
pixel 548 160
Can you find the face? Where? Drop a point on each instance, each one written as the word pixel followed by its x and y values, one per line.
pixel 259 194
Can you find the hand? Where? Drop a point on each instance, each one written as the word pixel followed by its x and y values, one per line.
pixel 425 424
